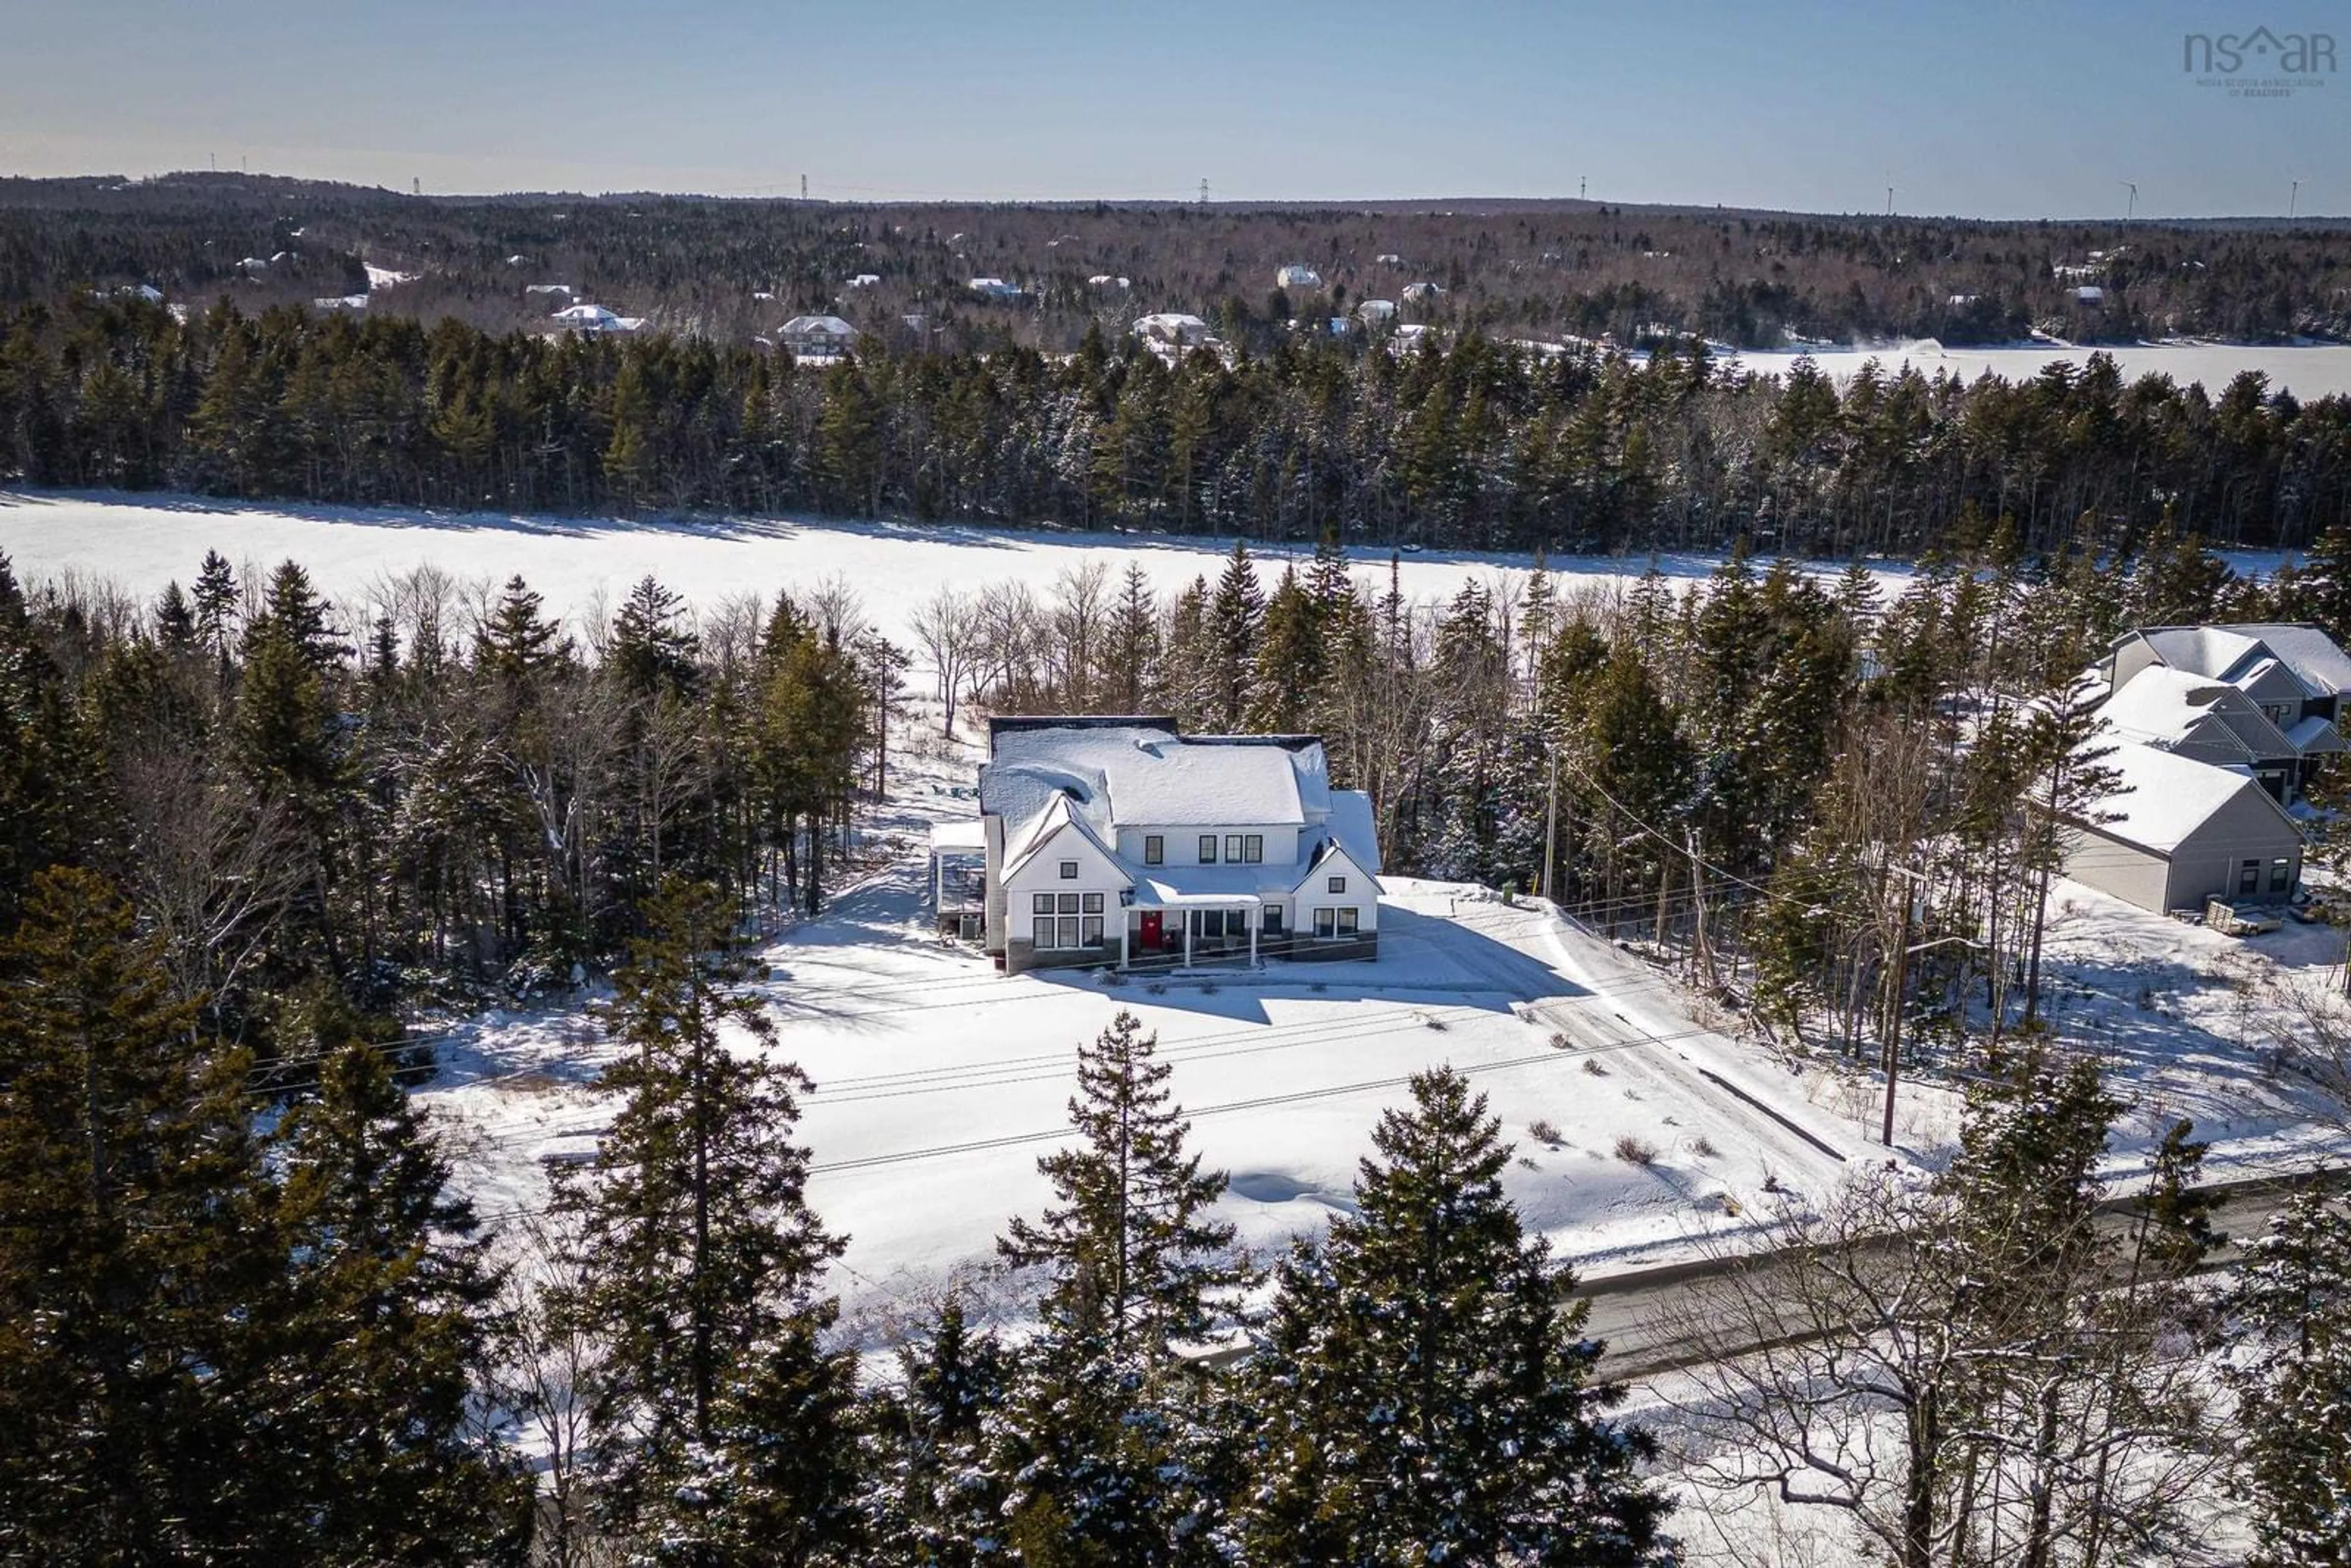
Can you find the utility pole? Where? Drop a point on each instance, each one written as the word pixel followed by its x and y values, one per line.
pixel 1550 829
pixel 804 187
pixel 1889 201
pixel 1203 192
pixel 2294 200
pixel 1579 182
pixel 2131 210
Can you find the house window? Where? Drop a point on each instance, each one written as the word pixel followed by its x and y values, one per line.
pixel 1092 903
pixel 1041 905
pixel 1233 847
pixel 1091 926
pixel 1154 850
pixel 1068 903
pixel 1069 871
pixel 1347 921
pixel 1068 932
pixel 1208 849
pixel 1253 849
pixel 1270 921
pixel 2249 877
pixel 1338 884
pixel 2281 875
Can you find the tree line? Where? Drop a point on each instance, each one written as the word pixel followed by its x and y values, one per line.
pixel 1479 443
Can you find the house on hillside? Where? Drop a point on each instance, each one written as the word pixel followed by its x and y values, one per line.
pixel 995 289
pixel 2266 696
pixel 594 318
pixel 1173 328
pixel 1297 277
pixel 1119 841
pixel 2176 832
pixel 820 335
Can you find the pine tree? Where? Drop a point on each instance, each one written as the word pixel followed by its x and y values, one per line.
pixel 2292 1304
pixel 133 1248
pixel 721 1420
pixel 653 646
pixel 1427 1392
pixel 518 641
pixel 216 601
pixel 385 1312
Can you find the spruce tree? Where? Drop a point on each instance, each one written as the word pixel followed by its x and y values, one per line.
pixel 134 1246
pixel 2292 1375
pixel 216 599
pixel 932 1498
pixel 1112 1448
pixel 1236 617
pixel 385 1315
pixel 1427 1391
pixel 721 1419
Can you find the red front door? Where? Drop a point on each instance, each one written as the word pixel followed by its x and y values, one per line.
pixel 1150 938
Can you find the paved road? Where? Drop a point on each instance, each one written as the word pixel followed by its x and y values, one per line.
pixel 1632 1311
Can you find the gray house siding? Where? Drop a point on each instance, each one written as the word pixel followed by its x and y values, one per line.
pixel 2132 873
pixel 2249 828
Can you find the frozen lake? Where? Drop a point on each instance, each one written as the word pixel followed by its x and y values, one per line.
pixel 2308 371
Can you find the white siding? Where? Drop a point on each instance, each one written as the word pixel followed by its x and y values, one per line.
pixel 1042 873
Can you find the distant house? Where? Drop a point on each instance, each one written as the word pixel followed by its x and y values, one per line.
pixel 553 295
pixel 864 280
pixel 2089 294
pixel 253 264
pixel 1104 280
pixel 1173 328
pixel 595 318
pixel 1377 310
pixel 1389 258
pixel 1118 841
pixel 2176 832
pixel 1422 293
pixel 146 291
pixel 995 289
pixel 824 335
pixel 1298 276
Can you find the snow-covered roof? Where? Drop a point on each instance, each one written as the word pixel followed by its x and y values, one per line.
pixel 2161 797
pixel 818 327
pixel 1375 309
pixel 1419 292
pixel 2233 653
pixel 865 280
pixel 584 314
pixel 1062 811
pixel 1171 324
pixel 1352 825
pixel 959 835
pixel 2166 706
pixel 1298 276
pixel 1142 776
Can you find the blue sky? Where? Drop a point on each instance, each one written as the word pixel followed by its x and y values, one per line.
pixel 1992 109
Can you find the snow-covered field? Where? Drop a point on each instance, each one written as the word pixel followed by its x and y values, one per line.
pixel 584 564
pixel 2307 370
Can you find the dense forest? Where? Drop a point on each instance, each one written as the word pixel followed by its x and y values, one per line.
pixel 731 269
pixel 256 840
pixel 1476 444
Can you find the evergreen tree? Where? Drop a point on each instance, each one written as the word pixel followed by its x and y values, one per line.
pixel 2292 1373
pixel 722 1422
pixel 386 1317
pixel 1235 619
pixel 932 1498
pixel 1111 1453
pixel 134 1249
pixel 1427 1392
pixel 216 601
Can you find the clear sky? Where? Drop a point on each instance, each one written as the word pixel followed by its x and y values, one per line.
pixel 1994 108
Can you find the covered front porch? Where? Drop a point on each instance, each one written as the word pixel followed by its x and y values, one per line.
pixel 1167 929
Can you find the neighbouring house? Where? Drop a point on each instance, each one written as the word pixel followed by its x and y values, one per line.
pixel 594 318
pixel 864 280
pixel 818 335
pixel 542 293
pixel 1105 280
pixel 1422 293
pixel 995 289
pixel 1376 310
pixel 1118 841
pixel 1296 276
pixel 1172 327
pixel 2288 681
pixel 2176 832
pixel 2089 294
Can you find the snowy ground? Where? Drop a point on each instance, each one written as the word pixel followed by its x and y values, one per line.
pixel 2307 370
pixel 940 1081
pixel 584 564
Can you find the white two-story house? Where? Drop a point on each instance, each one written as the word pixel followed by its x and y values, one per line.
pixel 1120 842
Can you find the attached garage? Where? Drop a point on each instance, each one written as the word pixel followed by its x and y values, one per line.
pixel 2177 831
